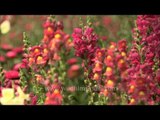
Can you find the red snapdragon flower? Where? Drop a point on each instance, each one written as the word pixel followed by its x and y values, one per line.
pixel 18 66
pixel 12 74
pixel 2 58
pixel 73 71
pixel 6 46
pixel 11 54
pixel 72 61
pixel 18 50
pixel 54 98
pixel 85 43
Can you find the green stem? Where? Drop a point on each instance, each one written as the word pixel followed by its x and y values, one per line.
pixel 1 75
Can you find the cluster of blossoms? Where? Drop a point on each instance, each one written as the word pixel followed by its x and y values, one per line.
pixel 102 64
pixel 38 55
pixel 110 69
pixel 40 62
pixel 135 73
pixel 143 77
pixel 119 75
pixel 54 96
pixel 55 39
pixel 85 43
pixel 55 44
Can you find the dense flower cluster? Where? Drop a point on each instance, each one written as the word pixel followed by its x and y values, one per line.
pixel 40 56
pixel 53 71
pixel 110 68
pixel 85 43
pixel 144 61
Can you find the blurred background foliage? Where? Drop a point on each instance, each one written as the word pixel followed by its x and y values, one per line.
pixel 108 27
pixel 113 27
